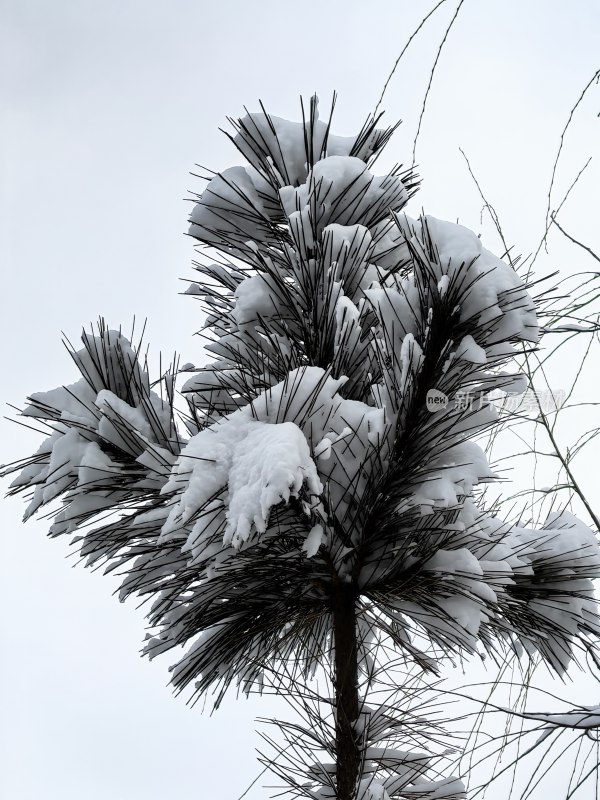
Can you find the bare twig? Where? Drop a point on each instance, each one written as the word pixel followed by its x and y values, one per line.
pixel 404 49
pixel 575 241
pixel 593 79
pixel 432 73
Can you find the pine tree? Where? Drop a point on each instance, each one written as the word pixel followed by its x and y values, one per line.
pixel 319 503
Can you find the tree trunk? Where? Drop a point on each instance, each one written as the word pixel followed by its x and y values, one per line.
pixel 346 690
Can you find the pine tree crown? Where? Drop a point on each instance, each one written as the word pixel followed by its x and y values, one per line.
pixel 331 440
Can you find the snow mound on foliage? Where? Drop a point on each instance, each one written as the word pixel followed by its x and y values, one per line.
pixel 259 464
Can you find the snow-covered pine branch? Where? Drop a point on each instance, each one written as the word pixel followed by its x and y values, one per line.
pixel 328 480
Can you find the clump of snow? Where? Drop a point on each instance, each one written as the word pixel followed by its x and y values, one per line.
pixel 443 284
pixel 286 144
pixel 110 410
pixel 313 541
pixel 232 205
pixel 341 190
pixel 258 464
pixel 449 477
pixel 348 249
pixel 411 359
pixel 491 292
pixel 516 384
pixel 469 350
pixel 256 484
pixel 323 449
pixel 254 296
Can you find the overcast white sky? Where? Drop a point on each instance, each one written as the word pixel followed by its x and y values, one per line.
pixel 106 107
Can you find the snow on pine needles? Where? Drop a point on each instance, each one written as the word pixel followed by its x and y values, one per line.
pixel 304 459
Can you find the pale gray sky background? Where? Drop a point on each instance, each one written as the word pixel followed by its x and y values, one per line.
pixel 106 107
